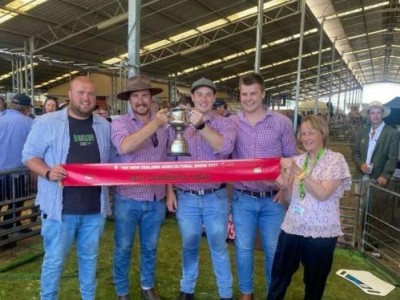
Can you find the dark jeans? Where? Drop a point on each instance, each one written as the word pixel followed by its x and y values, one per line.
pixel 316 256
pixel 12 187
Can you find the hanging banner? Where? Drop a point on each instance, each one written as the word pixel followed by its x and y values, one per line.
pixel 172 172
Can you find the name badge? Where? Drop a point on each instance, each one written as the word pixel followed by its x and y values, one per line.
pixel 298 210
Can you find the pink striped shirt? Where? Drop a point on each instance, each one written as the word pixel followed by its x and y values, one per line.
pixel 146 152
pixel 201 150
pixel 270 137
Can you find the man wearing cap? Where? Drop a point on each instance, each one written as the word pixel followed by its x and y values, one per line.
pixel 14 128
pixel 221 108
pixel 69 214
pixel 376 146
pixel 142 135
pixel 261 133
pixel 210 137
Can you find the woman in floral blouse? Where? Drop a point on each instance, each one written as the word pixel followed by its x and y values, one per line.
pixel 313 183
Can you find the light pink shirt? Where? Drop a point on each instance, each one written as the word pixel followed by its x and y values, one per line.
pixel 146 152
pixel 272 136
pixel 310 217
pixel 201 150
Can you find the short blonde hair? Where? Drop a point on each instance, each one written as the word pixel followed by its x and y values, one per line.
pixel 318 123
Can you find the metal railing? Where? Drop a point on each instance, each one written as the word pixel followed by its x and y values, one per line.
pixel 19 217
pixel 381 226
pixel 350 216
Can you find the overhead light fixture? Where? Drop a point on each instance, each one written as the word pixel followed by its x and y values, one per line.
pixel 114 20
pixel 195 49
pixel 234 64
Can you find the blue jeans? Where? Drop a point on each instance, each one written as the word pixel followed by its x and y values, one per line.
pixel 58 238
pixel 249 215
pixel 128 215
pixel 212 211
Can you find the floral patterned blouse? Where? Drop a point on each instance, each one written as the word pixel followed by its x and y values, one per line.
pixel 310 217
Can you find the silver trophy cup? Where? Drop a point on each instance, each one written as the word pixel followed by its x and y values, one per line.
pixel 179 120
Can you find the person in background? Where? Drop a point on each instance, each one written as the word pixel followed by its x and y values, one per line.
pixel 261 133
pixel 50 104
pixel 142 135
pixel 313 184
pixel 3 105
pixel 155 103
pixel 103 111
pixel 69 214
pixel 14 129
pixel 210 137
pixel 376 147
pixel 221 107
pixel 64 105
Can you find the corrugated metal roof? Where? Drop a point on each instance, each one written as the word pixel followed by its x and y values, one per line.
pixel 367 40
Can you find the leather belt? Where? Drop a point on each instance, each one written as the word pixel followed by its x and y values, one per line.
pixel 203 192
pixel 267 194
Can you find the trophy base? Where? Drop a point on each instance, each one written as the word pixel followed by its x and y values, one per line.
pixel 179 154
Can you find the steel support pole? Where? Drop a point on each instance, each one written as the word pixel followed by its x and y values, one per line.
pixel 299 63
pixel 13 75
pixel 31 47
pixel 133 42
pixel 257 63
pixel 321 40
pixel 134 37
pixel 26 70
pixel 331 79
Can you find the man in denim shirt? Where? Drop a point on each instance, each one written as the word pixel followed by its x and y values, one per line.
pixel 69 214
pixel 14 129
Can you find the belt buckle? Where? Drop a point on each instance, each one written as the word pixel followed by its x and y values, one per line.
pixel 263 194
pixel 200 192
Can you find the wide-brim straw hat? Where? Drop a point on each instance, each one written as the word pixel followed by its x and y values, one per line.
pixel 375 104
pixel 138 83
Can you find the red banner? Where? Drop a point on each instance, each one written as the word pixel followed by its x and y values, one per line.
pixel 172 172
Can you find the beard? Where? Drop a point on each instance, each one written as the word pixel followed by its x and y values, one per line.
pixel 81 112
pixel 141 109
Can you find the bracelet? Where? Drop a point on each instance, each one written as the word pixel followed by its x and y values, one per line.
pixel 303 175
pixel 201 126
pixel 47 175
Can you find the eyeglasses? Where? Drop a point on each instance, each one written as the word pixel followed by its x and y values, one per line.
pixel 154 139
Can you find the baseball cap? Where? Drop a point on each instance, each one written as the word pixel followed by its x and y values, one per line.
pixel 21 99
pixel 203 82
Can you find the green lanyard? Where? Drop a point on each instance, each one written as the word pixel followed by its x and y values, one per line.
pixel 302 188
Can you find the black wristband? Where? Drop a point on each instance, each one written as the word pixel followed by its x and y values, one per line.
pixel 201 126
pixel 47 175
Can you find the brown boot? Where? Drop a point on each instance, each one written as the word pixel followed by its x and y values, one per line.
pixel 246 296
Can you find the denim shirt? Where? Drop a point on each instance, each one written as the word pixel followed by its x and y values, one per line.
pixel 49 140
pixel 14 128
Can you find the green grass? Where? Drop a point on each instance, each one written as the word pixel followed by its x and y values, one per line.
pixel 22 280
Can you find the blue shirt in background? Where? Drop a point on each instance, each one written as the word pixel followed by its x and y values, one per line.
pixel 14 129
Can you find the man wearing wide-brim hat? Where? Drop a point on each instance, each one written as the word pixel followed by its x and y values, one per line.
pixel 141 135
pixel 376 146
